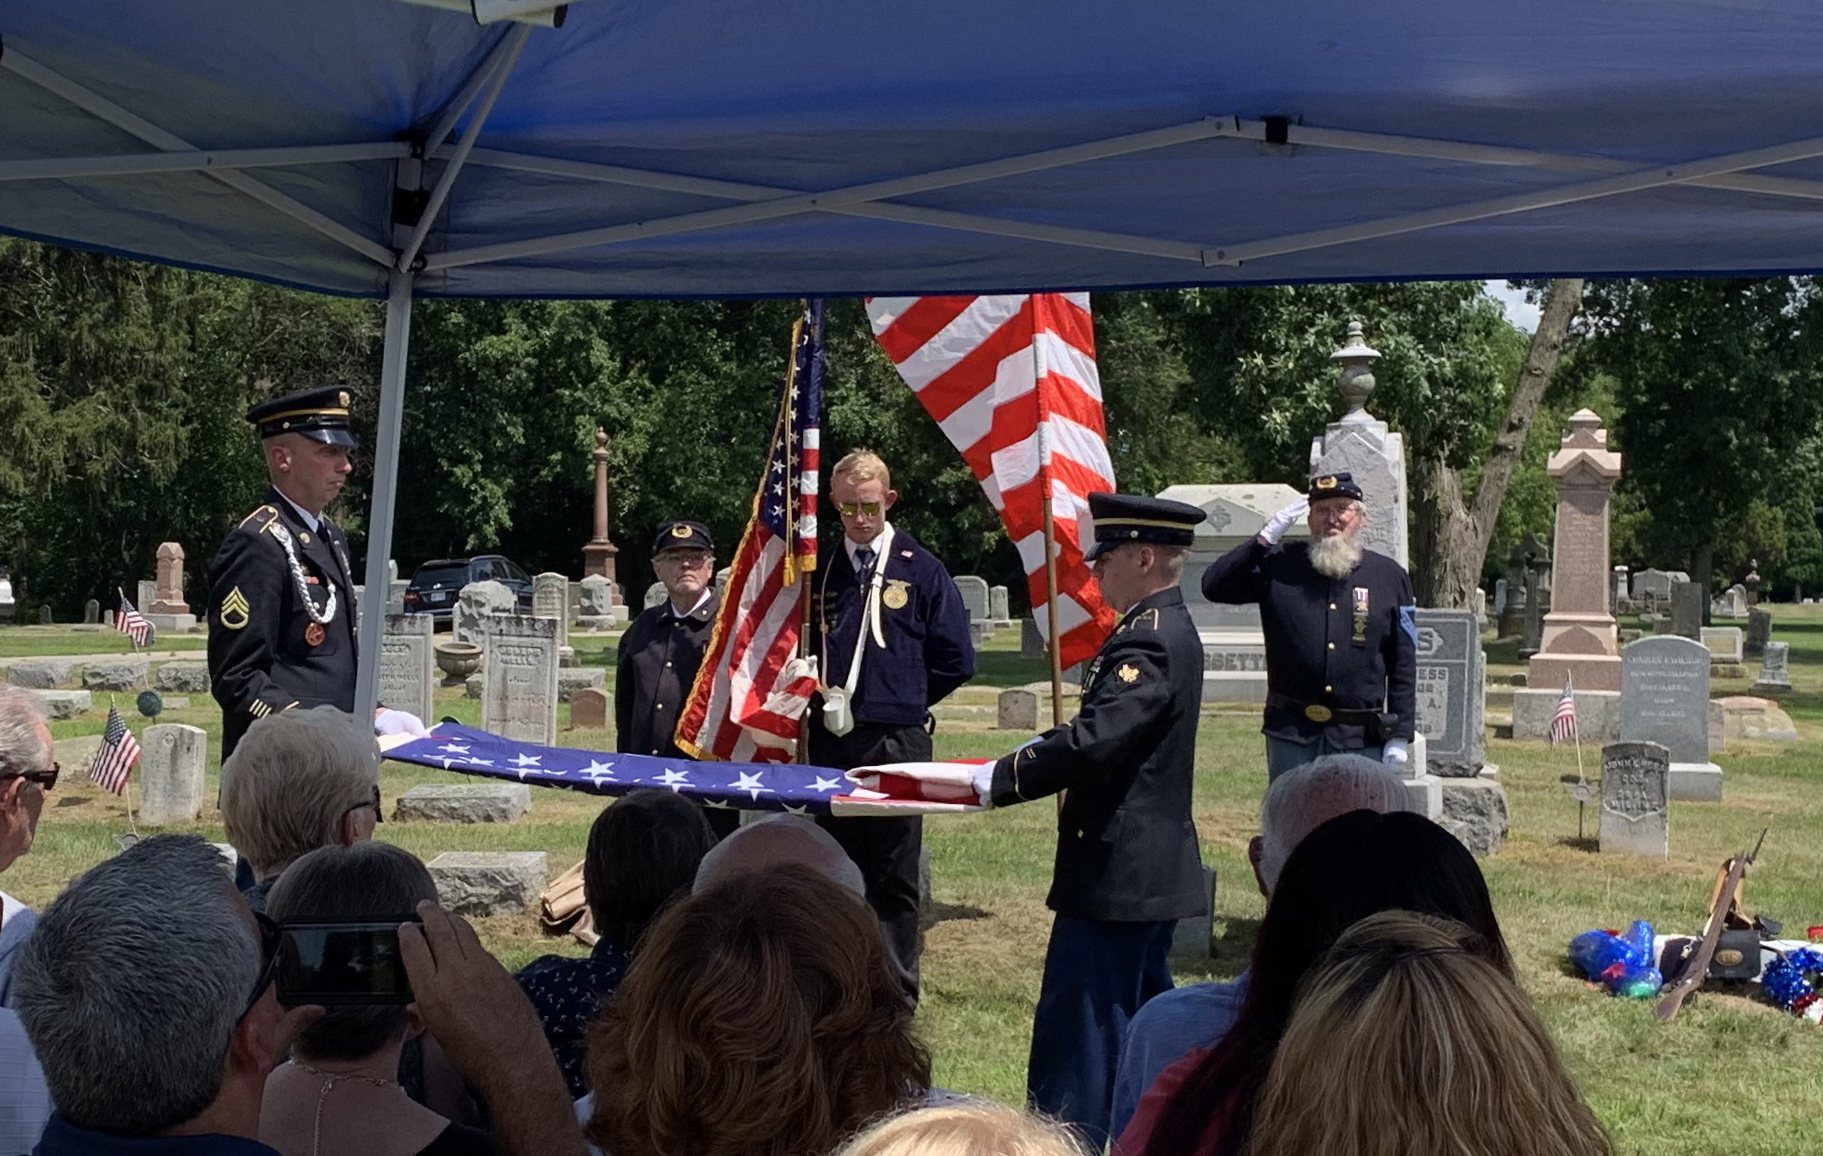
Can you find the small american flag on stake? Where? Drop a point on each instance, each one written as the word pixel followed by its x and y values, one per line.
pixel 1563 723
pixel 119 751
pixel 133 624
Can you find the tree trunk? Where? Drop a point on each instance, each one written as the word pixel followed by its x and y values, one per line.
pixel 1451 537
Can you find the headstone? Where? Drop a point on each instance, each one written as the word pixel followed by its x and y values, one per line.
pixel 1664 698
pixel 1018 711
pixel 1579 643
pixel 395 588
pixel 117 675
pixel 574 678
pixel 1538 595
pixel 595 602
pixel 1597 713
pixel 997 607
pixel 974 596
pixel 41 673
pixel 1759 631
pixel 1031 640
pixel 551 599
pixel 1636 799
pixel 44 615
pixel 481 883
pixel 1500 597
pixel 148 594
pixel 519 678
pixel 589 709
pixel 1452 676
pixel 1619 593
pixel 1686 609
pixel 408 664
pixel 1724 642
pixel 1512 616
pixel 171 773
pixel 1774 677
pixel 655 595
pixel 1365 447
pixel 1659 623
pixel 1751 584
pixel 1733 602
pixel 1194 936
pixel 170 584
pixel 1234 647
pixel 1749 718
pixel 721 579
pixel 478 602
pixel 7 605
pixel 464 803
pixel 1651 585
pixel 91 612
pixel 185 677
pixel 64 704
pixel 1475 811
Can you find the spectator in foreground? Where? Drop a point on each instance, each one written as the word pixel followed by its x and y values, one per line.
pixel 1351 867
pixel 975 1128
pixel 760 1018
pixel 1175 1023
pixel 1407 1040
pixel 780 841
pixel 339 1091
pixel 299 780
pixel 644 849
pixel 26 773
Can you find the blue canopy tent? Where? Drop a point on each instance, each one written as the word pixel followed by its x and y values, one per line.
pixel 675 148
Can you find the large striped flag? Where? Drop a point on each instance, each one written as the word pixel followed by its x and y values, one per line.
pixel 1012 382
pixel 752 690
pixel 114 760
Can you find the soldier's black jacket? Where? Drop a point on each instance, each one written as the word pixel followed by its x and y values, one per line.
pixel 1126 846
pixel 659 657
pixel 923 623
pixel 261 654
pixel 1347 643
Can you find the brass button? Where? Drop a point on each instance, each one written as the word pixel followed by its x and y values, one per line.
pixel 1332 646
pixel 1079 834
pixel 1327 689
pixel 667 666
pixel 660 706
pixel 1332 605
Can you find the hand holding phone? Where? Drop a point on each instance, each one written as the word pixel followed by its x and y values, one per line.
pixel 342 963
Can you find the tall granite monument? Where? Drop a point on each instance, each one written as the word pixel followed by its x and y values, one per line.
pixel 1363 445
pixel 598 552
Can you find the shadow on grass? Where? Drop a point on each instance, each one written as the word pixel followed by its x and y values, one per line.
pixel 1233 949
pixel 1580 843
pixel 944 912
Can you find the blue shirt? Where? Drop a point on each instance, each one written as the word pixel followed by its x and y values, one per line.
pixel 62 1138
pixel 15 928
pixel 1169 1027
pixel 566 992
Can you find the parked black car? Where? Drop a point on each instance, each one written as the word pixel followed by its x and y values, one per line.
pixel 434 587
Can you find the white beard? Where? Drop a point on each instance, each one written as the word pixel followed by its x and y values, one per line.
pixel 1335 557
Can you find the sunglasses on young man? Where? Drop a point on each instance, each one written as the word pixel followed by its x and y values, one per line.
pixel 856 509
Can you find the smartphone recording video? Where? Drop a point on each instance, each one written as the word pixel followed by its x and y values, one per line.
pixel 342 963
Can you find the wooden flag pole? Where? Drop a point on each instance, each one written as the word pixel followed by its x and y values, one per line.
pixel 1045 499
pixel 1050 602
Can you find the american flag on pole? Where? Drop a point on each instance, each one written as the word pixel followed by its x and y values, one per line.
pixel 1563 723
pixel 133 624
pixel 119 751
pixel 1013 384
pixel 752 689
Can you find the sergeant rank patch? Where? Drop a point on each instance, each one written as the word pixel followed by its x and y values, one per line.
pixel 235 610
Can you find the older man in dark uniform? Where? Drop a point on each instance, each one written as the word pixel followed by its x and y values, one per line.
pixel 281 591
pixel 1341 639
pixel 663 648
pixel 891 635
pixel 1127 866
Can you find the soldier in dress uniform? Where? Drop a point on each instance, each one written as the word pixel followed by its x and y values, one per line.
pixel 1127 866
pixel 1341 639
pixel 892 638
pixel 281 592
pixel 663 648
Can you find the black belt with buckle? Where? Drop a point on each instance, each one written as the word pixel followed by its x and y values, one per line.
pixel 1316 712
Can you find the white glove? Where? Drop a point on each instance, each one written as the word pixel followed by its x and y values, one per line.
pixel 398 722
pixel 1395 754
pixel 1284 520
pixel 984 784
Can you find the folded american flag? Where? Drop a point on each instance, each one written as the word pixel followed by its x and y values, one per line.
pixel 744 786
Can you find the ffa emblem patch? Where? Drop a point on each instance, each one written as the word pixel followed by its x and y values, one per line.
pixel 235 610
pixel 680 531
pixel 1128 673
pixel 314 634
pixel 895 596
pixel 304 537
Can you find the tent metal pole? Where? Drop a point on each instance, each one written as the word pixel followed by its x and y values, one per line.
pixel 514 44
pixel 465 96
pixel 385 489
pixel 194 160
pixel 105 109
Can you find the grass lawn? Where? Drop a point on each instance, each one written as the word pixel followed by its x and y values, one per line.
pixel 1730 1075
pixel 52 641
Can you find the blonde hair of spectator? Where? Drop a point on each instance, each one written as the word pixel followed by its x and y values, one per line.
pixel 970 1128
pixel 862 466
pixel 288 784
pixel 1404 1041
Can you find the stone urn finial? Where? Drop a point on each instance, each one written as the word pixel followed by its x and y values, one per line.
pixel 1356 379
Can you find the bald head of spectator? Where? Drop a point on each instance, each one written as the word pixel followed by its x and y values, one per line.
pixel 779 841
pixel 1306 797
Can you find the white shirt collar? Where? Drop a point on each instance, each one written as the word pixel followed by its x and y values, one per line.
pixel 851 545
pixel 708 593
pixel 310 519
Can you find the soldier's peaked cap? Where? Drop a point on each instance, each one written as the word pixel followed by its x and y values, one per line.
pixel 682 535
pixel 319 414
pixel 1129 518
pixel 1337 485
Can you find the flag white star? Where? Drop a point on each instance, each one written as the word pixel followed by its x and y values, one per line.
pixel 791 810
pixel 473 761
pixel 454 748
pixel 823 784
pixel 753 784
pixel 719 804
pixel 599 772
pixel 528 761
pixel 674 779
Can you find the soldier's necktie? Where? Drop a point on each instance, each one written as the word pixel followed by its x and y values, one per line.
pixel 864 562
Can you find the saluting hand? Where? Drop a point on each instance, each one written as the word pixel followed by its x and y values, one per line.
pixel 1284 520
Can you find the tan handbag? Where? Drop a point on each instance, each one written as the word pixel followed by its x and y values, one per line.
pixel 562 906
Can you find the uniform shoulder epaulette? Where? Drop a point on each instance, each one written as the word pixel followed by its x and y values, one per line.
pixel 260 518
pixel 1149 620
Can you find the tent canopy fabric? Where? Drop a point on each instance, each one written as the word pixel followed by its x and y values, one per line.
pixel 678 148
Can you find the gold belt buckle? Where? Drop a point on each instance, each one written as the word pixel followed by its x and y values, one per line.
pixel 1317 712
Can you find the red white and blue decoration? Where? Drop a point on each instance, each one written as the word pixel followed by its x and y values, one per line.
pixel 1788 981
pixel 784 787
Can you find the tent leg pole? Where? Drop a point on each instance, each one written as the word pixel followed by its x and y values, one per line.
pixel 385 489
